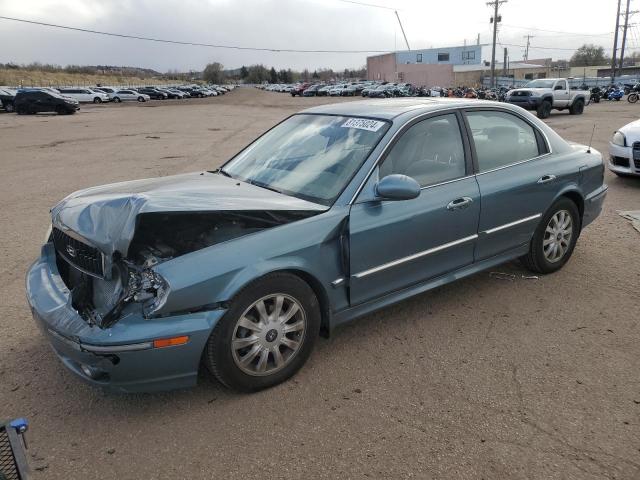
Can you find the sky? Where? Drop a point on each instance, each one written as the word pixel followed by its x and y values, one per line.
pixel 559 25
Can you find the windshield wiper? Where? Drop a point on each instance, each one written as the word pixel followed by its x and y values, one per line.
pixel 262 185
pixel 220 171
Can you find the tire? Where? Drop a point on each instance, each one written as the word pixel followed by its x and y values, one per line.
pixel 141 99
pixel 577 108
pixel 223 361
pixel 9 108
pixel 97 100
pixel 596 99
pixel 544 110
pixel 21 111
pixel 632 98
pixel 60 110
pixel 116 99
pixel 537 260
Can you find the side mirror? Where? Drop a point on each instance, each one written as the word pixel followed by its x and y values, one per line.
pixel 397 187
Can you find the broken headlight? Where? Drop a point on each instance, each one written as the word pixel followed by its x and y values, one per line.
pixel 147 287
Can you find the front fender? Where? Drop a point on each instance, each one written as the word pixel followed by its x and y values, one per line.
pixel 216 274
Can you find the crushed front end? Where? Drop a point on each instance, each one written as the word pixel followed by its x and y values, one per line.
pixel 97 313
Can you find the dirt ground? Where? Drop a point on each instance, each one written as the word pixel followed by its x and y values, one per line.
pixel 481 379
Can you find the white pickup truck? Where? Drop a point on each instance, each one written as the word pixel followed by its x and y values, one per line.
pixel 546 94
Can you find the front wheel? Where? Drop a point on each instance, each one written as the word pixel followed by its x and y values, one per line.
pixel 577 108
pixel 632 98
pixel 555 238
pixel 9 107
pixel 266 335
pixel 97 100
pixel 141 99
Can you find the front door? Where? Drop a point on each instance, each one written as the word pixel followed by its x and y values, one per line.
pixel 561 94
pixel 396 244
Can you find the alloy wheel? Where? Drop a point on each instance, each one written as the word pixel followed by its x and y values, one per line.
pixel 557 236
pixel 268 335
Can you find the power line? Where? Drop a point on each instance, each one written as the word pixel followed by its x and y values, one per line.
pixel 363 4
pixel 179 42
pixel 560 31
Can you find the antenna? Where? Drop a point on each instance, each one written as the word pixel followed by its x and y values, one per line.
pixel 591 139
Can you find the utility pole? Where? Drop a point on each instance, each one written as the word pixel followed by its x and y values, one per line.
pixel 495 19
pixel 526 52
pixel 402 28
pixel 504 63
pixel 624 33
pixel 615 45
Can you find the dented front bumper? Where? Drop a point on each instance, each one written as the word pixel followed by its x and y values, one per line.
pixel 120 358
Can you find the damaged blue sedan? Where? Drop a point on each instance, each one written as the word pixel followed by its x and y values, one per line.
pixel 336 212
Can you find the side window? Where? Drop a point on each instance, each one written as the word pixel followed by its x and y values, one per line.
pixel 501 139
pixel 430 151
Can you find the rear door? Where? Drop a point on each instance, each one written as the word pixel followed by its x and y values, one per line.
pixel 396 244
pixel 518 179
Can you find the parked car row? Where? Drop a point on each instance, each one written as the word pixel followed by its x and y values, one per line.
pixel 66 100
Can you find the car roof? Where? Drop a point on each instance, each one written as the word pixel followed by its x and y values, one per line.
pixel 388 109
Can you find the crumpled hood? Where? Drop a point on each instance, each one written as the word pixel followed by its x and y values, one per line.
pixel 106 215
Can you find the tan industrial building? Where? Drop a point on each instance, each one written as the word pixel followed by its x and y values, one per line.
pixel 472 75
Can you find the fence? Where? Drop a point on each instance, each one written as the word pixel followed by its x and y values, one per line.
pixel 573 82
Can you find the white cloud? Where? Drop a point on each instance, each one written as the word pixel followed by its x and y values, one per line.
pixel 299 24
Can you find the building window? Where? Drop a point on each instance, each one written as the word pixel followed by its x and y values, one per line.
pixel 528 76
pixel 443 57
pixel 469 55
pixel 542 75
pixel 419 58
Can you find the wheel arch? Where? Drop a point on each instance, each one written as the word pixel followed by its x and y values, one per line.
pixel 310 279
pixel 576 197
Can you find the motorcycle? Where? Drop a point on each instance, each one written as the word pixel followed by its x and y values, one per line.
pixel 634 94
pixel 615 94
pixel 596 94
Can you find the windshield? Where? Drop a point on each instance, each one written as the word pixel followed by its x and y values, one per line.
pixel 312 157
pixel 541 84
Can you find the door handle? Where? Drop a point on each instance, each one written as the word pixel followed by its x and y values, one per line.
pixel 546 179
pixel 462 202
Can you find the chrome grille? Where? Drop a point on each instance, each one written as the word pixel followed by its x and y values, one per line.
pixel 636 154
pixel 82 256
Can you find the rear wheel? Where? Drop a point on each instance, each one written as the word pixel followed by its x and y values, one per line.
pixel 21 110
pixel 97 100
pixel 141 99
pixel 60 110
pixel 266 335
pixel 555 238
pixel 577 108
pixel 544 110
pixel 117 99
pixel 9 107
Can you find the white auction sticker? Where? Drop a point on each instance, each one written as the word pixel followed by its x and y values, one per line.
pixel 363 124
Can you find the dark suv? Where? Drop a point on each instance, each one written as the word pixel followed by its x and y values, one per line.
pixel 154 93
pixel 34 101
pixel 6 99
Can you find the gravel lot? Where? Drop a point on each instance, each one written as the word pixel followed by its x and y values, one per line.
pixel 484 378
